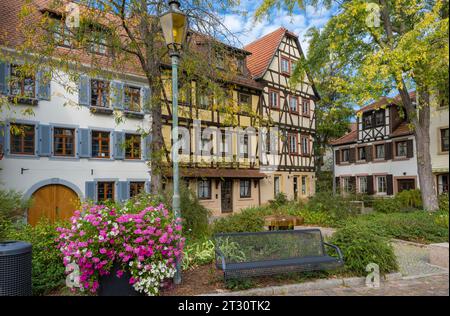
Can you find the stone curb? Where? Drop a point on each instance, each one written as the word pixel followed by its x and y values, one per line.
pixel 405 242
pixel 314 285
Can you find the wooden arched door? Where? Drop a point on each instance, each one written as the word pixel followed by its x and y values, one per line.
pixel 54 201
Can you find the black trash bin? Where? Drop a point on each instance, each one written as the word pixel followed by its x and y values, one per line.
pixel 15 268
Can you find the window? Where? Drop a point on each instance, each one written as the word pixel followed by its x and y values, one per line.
pixel 61 33
pixel 132 98
pixel 241 65
pixel 305 107
pixel 99 93
pixel 268 142
pixel 304 185
pixel 442 180
pixel 100 144
pixel 305 145
pixel 136 188
pixel 362 184
pixel 22 139
pixel 346 184
pixel 293 106
pixel 367 120
pixel 401 149
pixel 292 139
pixel 225 146
pixel 361 153
pixel 204 99
pixel 244 146
pixel 444 140
pixel 204 189
pixel 132 146
pixel 285 65
pixel 105 191
pixel 206 143
pixel 98 41
pixel 244 102
pixel 245 189
pixel 274 99
pixel 379 151
pixel 22 84
pixel 379 118
pixel 381 184
pixel 276 185
pixel 64 142
pixel 220 60
pixel 345 155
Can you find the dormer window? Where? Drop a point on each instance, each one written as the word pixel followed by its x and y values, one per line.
pixel 367 120
pixel 379 118
pixel 61 33
pixel 240 65
pixel 220 60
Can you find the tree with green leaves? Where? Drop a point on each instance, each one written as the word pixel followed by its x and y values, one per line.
pixel 392 45
pixel 121 37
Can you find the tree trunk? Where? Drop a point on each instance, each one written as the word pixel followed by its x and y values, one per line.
pixel 424 167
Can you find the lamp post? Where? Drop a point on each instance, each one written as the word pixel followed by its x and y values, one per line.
pixel 174 26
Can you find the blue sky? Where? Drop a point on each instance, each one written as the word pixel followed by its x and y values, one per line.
pixel 246 30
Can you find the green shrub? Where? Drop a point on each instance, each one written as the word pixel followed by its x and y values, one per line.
pixel 442 220
pixel 387 205
pixel 418 226
pixel 337 206
pixel 198 253
pixel 443 202
pixel 248 220
pixel 280 199
pixel 410 199
pixel 12 208
pixel 361 246
pixel 47 264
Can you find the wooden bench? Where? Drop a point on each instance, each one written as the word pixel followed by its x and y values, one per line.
pixel 274 252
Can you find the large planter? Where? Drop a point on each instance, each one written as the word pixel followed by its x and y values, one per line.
pixel 111 285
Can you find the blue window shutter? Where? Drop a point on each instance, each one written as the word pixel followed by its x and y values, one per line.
pixel 90 191
pixel 43 85
pixel 84 148
pixel 2 138
pixel 146 100
pixel 119 143
pixel 5 69
pixel 84 91
pixel 123 191
pixel 44 140
pixel 147 148
pixel 147 186
pixel 116 93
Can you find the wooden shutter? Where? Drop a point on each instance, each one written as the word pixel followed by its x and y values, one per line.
pixel 119 145
pixel 390 184
pixel 410 148
pixel 43 80
pixel 146 106
pixel 147 148
pixel 116 94
pixel 338 184
pixel 2 138
pixel 338 156
pixel 91 188
pixel 388 151
pixel 353 184
pixel 352 153
pixel 44 140
pixel 84 91
pixel 4 77
pixel 123 190
pixel 84 143
pixel 369 153
pixel 370 189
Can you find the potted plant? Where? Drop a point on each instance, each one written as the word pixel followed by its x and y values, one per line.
pixel 130 250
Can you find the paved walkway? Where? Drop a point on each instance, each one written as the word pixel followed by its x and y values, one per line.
pixel 436 285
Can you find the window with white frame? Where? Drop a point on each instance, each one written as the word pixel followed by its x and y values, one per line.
pixel 379 151
pixel 292 138
pixel 305 145
pixel 346 184
pixel 362 182
pixel 345 155
pixel 276 185
pixel 381 184
pixel 401 149
pixel 245 189
pixel 244 144
pixel 304 185
pixel 285 65
pixel 361 153
pixel 273 99
pixel 204 189
pixel 293 103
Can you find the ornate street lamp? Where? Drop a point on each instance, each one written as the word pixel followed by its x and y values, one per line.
pixel 174 27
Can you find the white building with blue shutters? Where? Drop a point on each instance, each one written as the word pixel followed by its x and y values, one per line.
pixel 72 147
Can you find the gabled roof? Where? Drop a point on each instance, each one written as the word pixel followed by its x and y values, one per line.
pixel 263 49
pixel 385 101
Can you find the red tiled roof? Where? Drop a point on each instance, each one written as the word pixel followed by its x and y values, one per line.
pixel 262 51
pixel 385 101
pixel 401 130
pixel 346 139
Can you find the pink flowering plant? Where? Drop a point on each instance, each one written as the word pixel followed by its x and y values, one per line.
pixel 144 240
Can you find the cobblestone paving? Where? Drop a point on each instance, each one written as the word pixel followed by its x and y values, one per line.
pixel 413 260
pixel 436 285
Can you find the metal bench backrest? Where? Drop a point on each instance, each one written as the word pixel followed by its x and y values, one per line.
pixel 270 245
